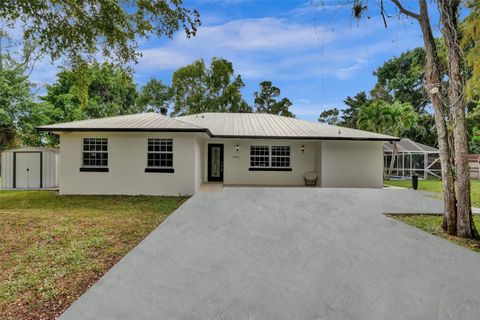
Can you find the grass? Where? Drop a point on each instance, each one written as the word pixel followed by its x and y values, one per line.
pixel 436 186
pixel 433 224
pixel 52 248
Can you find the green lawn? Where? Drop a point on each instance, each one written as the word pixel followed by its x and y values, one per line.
pixel 433 224
pixel 52 248
pixel 436 186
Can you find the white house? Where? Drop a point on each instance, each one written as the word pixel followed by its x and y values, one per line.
pixel 157 155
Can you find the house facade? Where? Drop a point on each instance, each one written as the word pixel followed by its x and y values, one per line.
pixel 157 155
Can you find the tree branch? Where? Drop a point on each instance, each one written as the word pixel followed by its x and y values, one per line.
pixel 405 11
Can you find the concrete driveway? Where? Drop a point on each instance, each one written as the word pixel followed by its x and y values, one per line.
pixel 290 253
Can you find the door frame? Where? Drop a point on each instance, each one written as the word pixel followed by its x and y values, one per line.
pixel 15 167
pixel 209 147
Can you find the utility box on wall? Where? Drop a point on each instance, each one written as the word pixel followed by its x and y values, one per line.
pixel 30 168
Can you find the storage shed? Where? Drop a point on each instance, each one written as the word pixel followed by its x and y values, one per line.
pixel 30 168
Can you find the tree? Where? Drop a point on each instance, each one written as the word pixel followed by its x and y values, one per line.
pixel 16 100
pixel 111 27
pixel 196 88
pixel 349 117
pixel 470 43
pixel 388 118
pixel 330 116
pixel 433 85
pixel 402 79
pixel 449 11
pixel 154 96
pixel 110 92
pixel 266 101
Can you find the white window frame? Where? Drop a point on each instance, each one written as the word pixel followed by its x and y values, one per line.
pixel 160 152
pixel 270 156
pixel 94 151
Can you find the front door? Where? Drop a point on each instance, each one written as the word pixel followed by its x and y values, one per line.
pixel 215 162
pixel 27 170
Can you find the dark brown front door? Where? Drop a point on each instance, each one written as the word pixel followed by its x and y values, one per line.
pixel 215 162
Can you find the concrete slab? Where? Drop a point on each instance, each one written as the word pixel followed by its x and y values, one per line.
pixel 290 253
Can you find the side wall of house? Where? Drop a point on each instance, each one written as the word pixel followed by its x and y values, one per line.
pixel 237 164
pixel 127 160
pixel 353 164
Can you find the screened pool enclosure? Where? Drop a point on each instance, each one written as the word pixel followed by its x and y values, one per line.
pixel 410 157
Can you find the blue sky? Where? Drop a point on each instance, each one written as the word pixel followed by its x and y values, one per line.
pixel 316 52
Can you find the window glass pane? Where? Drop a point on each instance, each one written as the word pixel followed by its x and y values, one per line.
pixel 160 153
pixel 95 152
pixel 281 156
pixel 259 156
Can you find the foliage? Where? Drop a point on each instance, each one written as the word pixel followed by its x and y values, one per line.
pixel 18 111
pixel 402 79
pixel 154 96
pixel 382 117
pixel 265 101
pixel 349 117
pixel 471 46
pixel 111 27
pixel 110 92
pixel 55 247
pixel 197 89
pixel 330 116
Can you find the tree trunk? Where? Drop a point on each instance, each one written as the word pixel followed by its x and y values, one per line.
pixel 450 30
pixel 433 85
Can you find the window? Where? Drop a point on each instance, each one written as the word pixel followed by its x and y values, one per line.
pixel 259 156
pixel 274 158
pixel 95 152
pixel 160 153
pixel 281 156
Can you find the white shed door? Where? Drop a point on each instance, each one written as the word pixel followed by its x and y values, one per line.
pixel 27 170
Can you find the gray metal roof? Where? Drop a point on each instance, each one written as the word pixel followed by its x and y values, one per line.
pixel 222 125
pixel 134 122
pixel 260 125
pixel 409 146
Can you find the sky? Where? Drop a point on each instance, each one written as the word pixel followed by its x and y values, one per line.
pixel 314 51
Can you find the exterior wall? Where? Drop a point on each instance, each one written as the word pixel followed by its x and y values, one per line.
pixel 7 170
pixel 318 162
pixel 50 169
pixel 236 164
pixel 353 164
pixel 127 160
pixel 198 163
pixel 50 164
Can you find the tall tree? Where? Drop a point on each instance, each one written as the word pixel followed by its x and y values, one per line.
pixel 154 96
pixel 387 118
pixel 83 28
pixel 16 100
pixel 266 101
pixel 433 84
pixel 402 79
pixel 449 11
pixel 196 88
pixel 110 91
pixel 330 116
pixel 349 117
